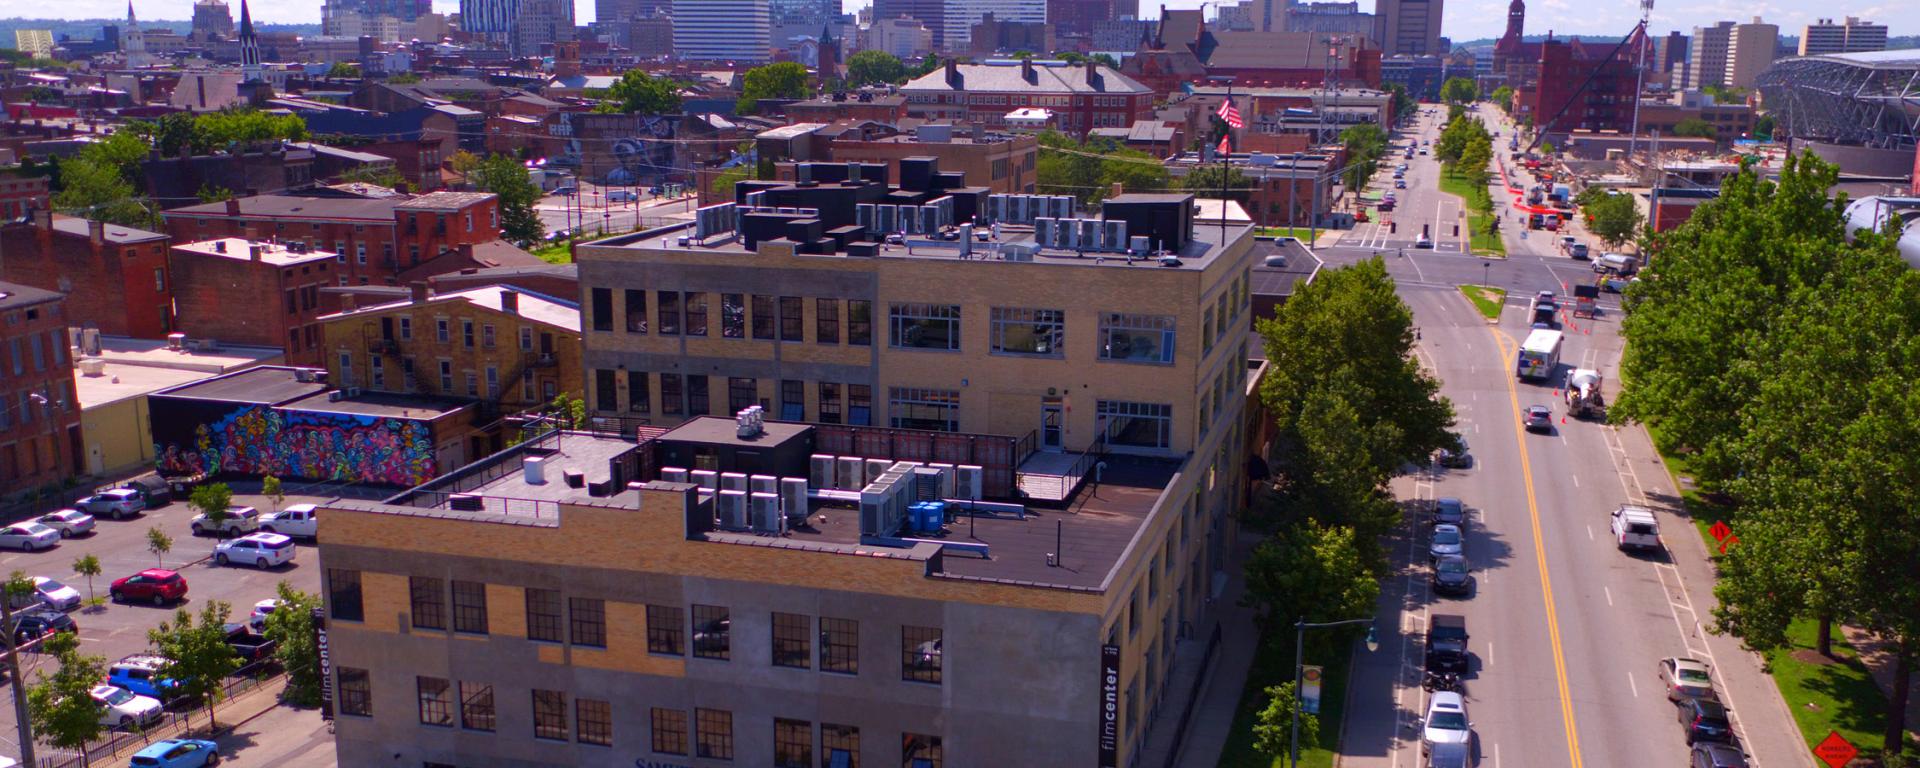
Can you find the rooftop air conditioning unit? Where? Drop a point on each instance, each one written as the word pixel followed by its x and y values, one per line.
pixel 793 497
pixel 733 481
pixel 764 508
pixel 730 510
pixel 852 475
pixel 706 478
pixel 466 502
pixel 876 468
pixel 535 469
pixel 968 481
pixel 863 215
pixel 820 471
pixel 1114 235
pixel 1062 206
pixel 336 396
pixel 763 484
pixel 1091 234
pixel 673 475
pixel 1043 230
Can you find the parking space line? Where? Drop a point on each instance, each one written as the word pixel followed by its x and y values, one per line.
pixel 1631 685
pixel 1609 594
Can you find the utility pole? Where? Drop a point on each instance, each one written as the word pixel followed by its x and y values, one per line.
pixel 13 673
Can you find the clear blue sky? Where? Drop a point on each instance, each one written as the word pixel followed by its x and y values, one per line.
pixel 1464 20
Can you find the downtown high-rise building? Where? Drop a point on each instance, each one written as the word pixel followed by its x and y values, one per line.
pixel 1850 36
pixel 1409 26
pixel 490 19
pixel 722 30
pixel 1729 54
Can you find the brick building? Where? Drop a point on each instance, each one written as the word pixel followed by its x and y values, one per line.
pixel 20 194
pixel 40 440
pixel 375 239
pixel 114 277
pixel 1082 97
pixel 252 292
pixel 1554 100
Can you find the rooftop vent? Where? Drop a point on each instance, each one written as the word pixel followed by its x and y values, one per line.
pixel 534 469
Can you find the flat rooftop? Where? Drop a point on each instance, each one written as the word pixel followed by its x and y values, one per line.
pixel 265 385
pixel 501 479
pixel 156 353
pixel 378 404
pixel 715 430
pixel 119 381
pixel 242 249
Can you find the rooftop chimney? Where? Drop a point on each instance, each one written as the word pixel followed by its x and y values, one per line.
pixel 510 301
pixel 255 251
pixel 1026 71
pixel 1093 74
pixel 96 232
pixel 219 246
pixel 233 206
pixel 953 73
pixel 419 291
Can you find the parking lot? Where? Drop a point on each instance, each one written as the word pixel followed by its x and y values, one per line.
pixel 114 631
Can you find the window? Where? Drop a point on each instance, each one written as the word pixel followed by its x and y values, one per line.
pixel 933 409
pixel 697 396
pixel 666 630
pixel 486 335
pixel 793 400
pixel 602 300
pixel 406 329
pixel 356 692
pixel 792 743
pixel 440 332
pixel 792 318
pixel 826 321
pixel 429 602
pixel 713 733
pixel 1037 332
pixel 791 648
pixel 1206 331
pixel 763 317
pixel 669 313
pixel 436 701
pixel 741 393
pixel 920 654
pixel 470 607
pixel 669 731
pixel 636 311
pixel 839 645
pixel 476 706
pixel 587 621
pixel 549 714
pixel 543 615
pixel 859 322
pixel 446 377
pixel 829 403
pixel 924 326
pixel 1136 338
pixel 733 316
pixel 605 394
pixel 360 252
pixel 1140 425
pixel 637 400
pixel 377 372
pixel 526 339
pixel 493 380
pixel 841 743
pixel 859 405
pixel 696 307
pixel 919 750
pixel 473 384
pixel 594 719
pixel 670 395
pixel 712 632
pixel 343 595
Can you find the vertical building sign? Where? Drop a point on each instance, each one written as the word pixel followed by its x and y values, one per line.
pixel 1109 706
pixel 326 663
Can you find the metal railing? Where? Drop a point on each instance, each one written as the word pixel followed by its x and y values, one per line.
pixel 171 724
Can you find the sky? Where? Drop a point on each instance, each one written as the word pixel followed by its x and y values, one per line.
pixel 1463 20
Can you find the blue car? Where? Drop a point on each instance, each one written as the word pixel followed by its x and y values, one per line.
pixel 140 673
pixel 177 753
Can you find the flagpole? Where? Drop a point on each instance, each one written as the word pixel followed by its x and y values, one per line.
pixel 1225 142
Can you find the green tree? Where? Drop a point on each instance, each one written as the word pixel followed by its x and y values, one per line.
pixel 464 162
pixel 1023 54
pixel 1207 181
pixel 570 411
pixel 89 566
pixel 198 657
pixel 1763 127
pixel 1614 218
pixel 403 78
pixel 1065 167
pixel 270 487
pixel 1503 96
pixel 290 627
pixel 215 501
pixel 1273 732
pixel 1365 144
pixel 60 705
pixel 1105 59
pixel 724 181
pixel 1404 104
pixel 159 543
pixel 1133 170
pixel 506 177
pixel 96 190
pixel 211 194
pixel 378 175
pixel 874 67
pixel 1310 571
pixel 639 92
pixel 230 129
pixel 343 70
pixel 1546 148
pixel 1696 128
pixel 1459 90
pixel 779 80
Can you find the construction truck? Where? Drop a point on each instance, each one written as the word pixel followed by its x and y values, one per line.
pixel 1586 300
pixel 1583 394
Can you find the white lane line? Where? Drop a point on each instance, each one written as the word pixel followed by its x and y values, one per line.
pixel 1590 533
pixel 1489 654
pixel 1609 596
pixel 1496 755
pixel 1476 428
pixel 1576 480
pixel 1563 437
pixel 1632 685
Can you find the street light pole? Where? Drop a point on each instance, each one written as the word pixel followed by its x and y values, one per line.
pixel 1299 672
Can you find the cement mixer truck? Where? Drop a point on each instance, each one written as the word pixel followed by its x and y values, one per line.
pixel 1583 394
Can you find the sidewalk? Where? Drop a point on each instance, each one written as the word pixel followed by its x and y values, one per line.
pixel 230 713
pixel 1878 657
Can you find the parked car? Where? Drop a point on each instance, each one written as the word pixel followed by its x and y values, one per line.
pixel 1399 183
pixel 299 520
pixel 1446 644
pixel 56 595
pixel 121 708
pixel 157 585
pixel 1451 576
pixel 69 522
pixel 249 645
pixel 622 196
pixel 1711 755
pixel 28 537
pixel 140 673
pixel 1705 720
pixel 177 753
pixel 119 503
pixel 153 489
pixel 1635 528
pixel 1446 721
pixel 258 618
pixel 1423 242
pixel 239 520
pixel 1448 510
pixel 40 622
pixel 1455 456
pixel 260 550
pixel 1450 756
pixel 1447 540
pixel 1686 679
pixel 1539 418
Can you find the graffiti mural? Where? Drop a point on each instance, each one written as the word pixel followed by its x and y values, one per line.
pixel 261 440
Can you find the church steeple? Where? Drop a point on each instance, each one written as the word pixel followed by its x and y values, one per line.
pixel 250 70
pixel 1516 20
pixel 133 42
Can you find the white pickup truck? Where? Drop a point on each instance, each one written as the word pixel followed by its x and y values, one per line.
pixel 1635 528
pixel 298 520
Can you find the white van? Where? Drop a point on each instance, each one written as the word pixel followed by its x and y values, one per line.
pixel 1635 528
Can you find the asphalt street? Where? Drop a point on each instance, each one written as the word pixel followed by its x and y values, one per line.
pixel 1566 630
pixel 591 211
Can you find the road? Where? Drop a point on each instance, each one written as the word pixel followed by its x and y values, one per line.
pixel 592 212
pixel 1566 630
pixel 115 631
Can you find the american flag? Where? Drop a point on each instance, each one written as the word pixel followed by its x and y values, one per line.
pixel 1225 148
pixel 1231 115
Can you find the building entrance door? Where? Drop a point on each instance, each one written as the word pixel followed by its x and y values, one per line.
pixel 1052 413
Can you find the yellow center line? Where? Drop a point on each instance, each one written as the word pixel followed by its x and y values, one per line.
pixel 1507 350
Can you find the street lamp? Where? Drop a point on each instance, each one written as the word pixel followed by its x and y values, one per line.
pixel 1299 671
pixel 1486 273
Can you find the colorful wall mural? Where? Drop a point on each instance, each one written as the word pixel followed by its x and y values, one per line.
pixel 192 436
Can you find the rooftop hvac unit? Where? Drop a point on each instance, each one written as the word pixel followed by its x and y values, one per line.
pixel 942 210
pixel 733 481
pixel 1066 236
pixel 535 469
pixel 673 474
pixel 1060 205
pixel 949 480
pixel 853 473
pixel 730 510
pixel 793 497
pixel 876 468
pixel 998 208
pixel 929 219
pixel 1018 209
pixel 886 218
pixel 763 484
pixel 764 508
pixel 1113 235
pixel 927 483
pixel 1090 234
pixel 968 479
pixel 1138 245
pixel 466 502
pixel 863 215
pixel 1043 230
pixel 706 478
pixel 820 471
pixel 1018 251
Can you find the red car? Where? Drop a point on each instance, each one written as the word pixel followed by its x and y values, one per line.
pixel 158 585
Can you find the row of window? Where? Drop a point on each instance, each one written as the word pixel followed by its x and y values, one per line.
pixel 690 395
pixel 833 645
pixel 769 318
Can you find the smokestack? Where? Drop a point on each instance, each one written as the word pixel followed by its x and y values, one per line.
pixel 953 73
pixel 510 301
pixel 96 232
pixel 419 291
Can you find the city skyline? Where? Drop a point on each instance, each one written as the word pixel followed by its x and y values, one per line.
pixel 1463 20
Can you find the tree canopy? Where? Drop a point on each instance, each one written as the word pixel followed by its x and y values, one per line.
pixel 875 67
pixel 1088 170
pixel 1614 218
pixel 1459 90
pixel 637 91
pixel 779 80
pixel 1696 128
pixel 1365 144
pixel 506 177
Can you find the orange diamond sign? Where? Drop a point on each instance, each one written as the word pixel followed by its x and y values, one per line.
pixel 1835 751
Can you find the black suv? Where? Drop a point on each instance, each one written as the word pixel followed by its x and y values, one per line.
pixel 1452 576
pixel 1447 643
pixel 1706 755
pixel 1705 720
pixel 38 622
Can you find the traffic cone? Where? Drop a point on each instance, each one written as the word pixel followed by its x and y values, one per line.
pixel 1563 420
